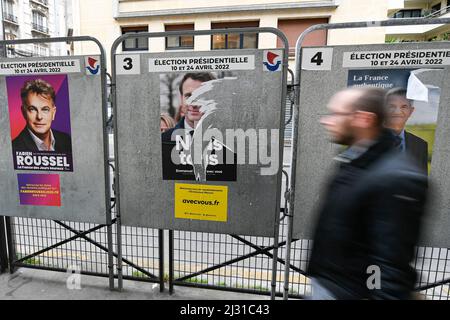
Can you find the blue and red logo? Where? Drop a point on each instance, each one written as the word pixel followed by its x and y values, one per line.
pixel 93 65
pixel 272 60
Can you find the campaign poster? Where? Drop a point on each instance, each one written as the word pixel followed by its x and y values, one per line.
pixel 39 189
pixel 39 115
pixel 412 108
pixel 191 106
pixel 201 202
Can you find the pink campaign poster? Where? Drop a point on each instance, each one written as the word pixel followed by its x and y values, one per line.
pixel 39 116
pixel 39 189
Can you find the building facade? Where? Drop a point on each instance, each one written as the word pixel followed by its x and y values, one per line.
pixel 108 19
pixel 415 9
pixel 31 19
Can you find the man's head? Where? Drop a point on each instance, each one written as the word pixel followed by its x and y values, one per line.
pixel 188 84
pixel 399 109
pixel 354 114
pixel 38 106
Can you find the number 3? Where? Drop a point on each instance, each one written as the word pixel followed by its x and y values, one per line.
pixel 129 63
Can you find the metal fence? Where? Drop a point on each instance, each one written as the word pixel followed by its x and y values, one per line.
pixel 82 247
pixel 202 260
pixel 196 259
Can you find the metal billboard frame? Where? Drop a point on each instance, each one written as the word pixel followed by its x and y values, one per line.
pixel 285 64
pixel 298 68
pixel 109 221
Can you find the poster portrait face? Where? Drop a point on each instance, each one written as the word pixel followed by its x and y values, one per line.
pixel 39 112
pixel 192 112
pixel 39 117
pixel 399 110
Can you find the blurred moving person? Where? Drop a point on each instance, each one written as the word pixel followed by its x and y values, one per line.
pixel 370 218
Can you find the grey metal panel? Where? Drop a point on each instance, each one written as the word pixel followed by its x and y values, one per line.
pixel 83 190
pixel 146 199
pixel 314 162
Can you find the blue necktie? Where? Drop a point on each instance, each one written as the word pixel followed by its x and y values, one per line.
pixel 399 143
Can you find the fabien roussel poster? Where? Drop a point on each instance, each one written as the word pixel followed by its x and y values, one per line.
pixel 39 117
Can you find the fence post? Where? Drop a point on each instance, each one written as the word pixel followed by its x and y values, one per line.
pixel 3 246
pixel 171 266
pixel 11 244
pixel 161 259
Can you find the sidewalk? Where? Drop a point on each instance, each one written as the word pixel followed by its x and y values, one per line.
pixel 31 284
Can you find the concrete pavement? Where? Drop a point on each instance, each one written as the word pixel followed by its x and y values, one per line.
pixel 31 284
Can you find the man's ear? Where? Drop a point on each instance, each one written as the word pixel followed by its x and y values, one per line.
pixel 364 119
pixel 24 113
pixel 54 113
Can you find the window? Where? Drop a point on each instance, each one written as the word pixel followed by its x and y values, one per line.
pixel 10 36
pixel 414 13
pixel 135 44
pixel 40 50
pixel 436 8
pixel 293 28
pixel 179 42
pixel 8 7
pixel 234 40
pixel 8 11
pixel 39 22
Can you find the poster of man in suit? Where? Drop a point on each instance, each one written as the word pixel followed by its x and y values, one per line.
pixel 412 115
pixel 191 108
pixel 40 122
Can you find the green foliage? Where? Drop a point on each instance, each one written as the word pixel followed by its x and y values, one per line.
pixel 197 280
pixel 259 288
pixel 139 274
pixel 426 132
pixel 392 40
pixel 33 261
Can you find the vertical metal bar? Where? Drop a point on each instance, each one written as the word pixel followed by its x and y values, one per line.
pixel 161 259
pixel 106 168
pixel 280 169
pixel 274 264
pixel 171 265
pixel 3 246
pixel 116 162
pixel 287 264
pixel 3 48
pixel 11 244
pixel 119 253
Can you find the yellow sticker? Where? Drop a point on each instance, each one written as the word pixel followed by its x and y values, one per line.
pixel 201 202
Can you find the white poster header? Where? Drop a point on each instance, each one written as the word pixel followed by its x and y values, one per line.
pixel 39 66
pixel 195 64
pixel 396 58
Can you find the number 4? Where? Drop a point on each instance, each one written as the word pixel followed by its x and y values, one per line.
pixel 317 58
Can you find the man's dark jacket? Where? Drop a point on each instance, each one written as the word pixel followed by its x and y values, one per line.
pixel 24 142
pixel 370 217
pixel 418 149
